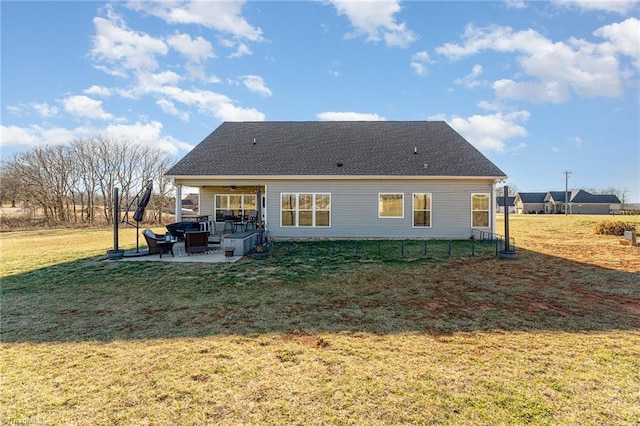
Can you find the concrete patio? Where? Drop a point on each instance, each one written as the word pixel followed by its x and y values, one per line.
pixel 180 256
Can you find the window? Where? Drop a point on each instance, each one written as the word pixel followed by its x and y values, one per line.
pixel 305 209
pixel 391 205
pixel 422 210
pixel 480 210
pixel 239 204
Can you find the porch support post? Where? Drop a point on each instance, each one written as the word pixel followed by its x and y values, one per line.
pixel 493 208
pixel 178 203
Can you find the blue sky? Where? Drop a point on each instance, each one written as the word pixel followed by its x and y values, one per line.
pixel 538 87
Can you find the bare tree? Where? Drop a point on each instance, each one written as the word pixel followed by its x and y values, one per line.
pixel 58 177
pixel 513 189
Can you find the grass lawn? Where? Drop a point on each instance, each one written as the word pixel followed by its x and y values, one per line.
pixel 315 338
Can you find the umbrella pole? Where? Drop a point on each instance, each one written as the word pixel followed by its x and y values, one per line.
pixel 137 237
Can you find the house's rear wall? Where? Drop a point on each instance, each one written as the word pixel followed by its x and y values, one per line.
pixel 354 207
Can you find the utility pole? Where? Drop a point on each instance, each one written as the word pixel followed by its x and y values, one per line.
pixel 566 191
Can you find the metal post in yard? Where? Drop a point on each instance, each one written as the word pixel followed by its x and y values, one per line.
pixel 402 248
pixel 506 218
pixel 449 248
pixel 116 218
pixel 355 248
pixel 425 247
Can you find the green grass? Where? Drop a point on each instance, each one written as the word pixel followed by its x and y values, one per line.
pixel 309 337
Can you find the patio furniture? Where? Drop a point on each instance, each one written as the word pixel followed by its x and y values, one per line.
pixel 178 229
pixel 228 220
pixel 166 246
pixel 251 220
pixel 215 237
pixel 152 241
pixel 196 242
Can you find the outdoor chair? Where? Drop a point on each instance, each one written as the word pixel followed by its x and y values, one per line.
pixel 228 220
pixel 215 237
pixel 196 242
pixel 152 241
pixel 251 220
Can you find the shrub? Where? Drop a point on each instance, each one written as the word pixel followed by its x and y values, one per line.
pixel 613 227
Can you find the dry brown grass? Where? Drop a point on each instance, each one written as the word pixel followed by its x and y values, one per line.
pixel 551 338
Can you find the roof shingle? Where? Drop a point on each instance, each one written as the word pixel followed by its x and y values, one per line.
pixel 298 148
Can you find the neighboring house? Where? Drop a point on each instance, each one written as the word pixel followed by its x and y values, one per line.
pixel 583 202
pixel 187 204
pixel 380 179
pixel 580 202
pixel 554 202
pixel 529 202
pixel 194 199
pixel 510 202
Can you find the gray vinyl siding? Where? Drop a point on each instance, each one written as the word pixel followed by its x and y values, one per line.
pixel 594 208
pixel 354 208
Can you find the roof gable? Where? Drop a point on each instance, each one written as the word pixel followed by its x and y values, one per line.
pixel 332 148
pixel 532 197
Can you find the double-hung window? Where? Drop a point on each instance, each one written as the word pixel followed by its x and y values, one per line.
pixel 422 210
pixel 480 210
pixel 305 209
pixel 390 205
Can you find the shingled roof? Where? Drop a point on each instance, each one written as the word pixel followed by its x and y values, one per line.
pixel 532 197
pixel 333 148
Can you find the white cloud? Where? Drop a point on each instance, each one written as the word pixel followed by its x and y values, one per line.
pixel 169 107
pixel 125 49
pixel 470 80
pixel 256 84
pixel 515 4
pixel 149 133
pixel 44 109
pixel 195 50
pixel 243 50
pixel 489 132
pixel 538 92
pixel 97 91
pixel 614 6
pixel 556 69
pixel 223 16
pixel 376 21
pixel 419 61
pixel 623 37
pixel 207 102
pixel 15 109
pixel 84 106
pixel 348 116
pixel 576 140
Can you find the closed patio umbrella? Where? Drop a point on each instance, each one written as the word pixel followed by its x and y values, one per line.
pixel 142 204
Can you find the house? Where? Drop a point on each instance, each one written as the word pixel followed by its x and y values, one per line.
pixel 510 203
pixel 530 202
pixel 384 179
pixel 580 202
pixel 583 202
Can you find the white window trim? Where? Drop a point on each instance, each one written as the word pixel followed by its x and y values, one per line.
pixel 243 208
pixel 313 210
pixel 488 210
pixel 391 193
pixel 413 210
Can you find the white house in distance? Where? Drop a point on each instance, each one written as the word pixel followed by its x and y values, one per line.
pixel 383 179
